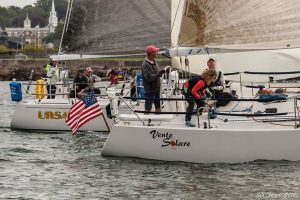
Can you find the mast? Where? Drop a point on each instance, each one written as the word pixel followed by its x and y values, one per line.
pixel 65 25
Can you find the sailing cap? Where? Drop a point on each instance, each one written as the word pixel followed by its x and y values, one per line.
pixel 151 48
pixel 88 69
pixel 211 58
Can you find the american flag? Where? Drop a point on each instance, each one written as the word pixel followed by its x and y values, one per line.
pixel 83 111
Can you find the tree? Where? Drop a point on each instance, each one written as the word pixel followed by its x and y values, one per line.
pixel 43 4
pixel 14 16
pixel 60 7
pixel 5 20
pixel 18 20
pixel 37 16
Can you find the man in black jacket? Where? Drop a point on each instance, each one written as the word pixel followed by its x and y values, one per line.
pixel 151 79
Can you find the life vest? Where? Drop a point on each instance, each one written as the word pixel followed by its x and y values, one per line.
pixel 265 91
pixel 192 82
pixel 46 68
pixel 217 82
pixel 120 76
pixel 40 89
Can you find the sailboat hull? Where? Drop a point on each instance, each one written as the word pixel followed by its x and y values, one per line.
pixel 29 115
pixel 203 145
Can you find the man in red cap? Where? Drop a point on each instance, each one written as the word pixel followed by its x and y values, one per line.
pixel 92 78
pixel 151 79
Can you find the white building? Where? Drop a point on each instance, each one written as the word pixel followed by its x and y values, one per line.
pixel 53 21
pixel 34 35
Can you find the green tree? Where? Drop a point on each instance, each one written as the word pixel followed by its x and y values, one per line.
pixel 61 8
pixel 5 20
pixel 37 16
pixel 14 16
pixel 43 4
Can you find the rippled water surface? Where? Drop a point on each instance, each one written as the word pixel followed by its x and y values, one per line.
pixel 39 165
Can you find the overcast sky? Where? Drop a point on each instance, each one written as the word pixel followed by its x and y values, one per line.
pixel 19 3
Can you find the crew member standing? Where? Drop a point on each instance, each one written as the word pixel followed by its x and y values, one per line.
pixel 151 79
pixel 52 79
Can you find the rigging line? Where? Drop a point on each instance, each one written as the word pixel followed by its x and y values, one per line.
pixel 280 124
pixel 175 15
pixel 247 109
pixel 234 107
pixel 271 122
pixel 66 22
pixel 261 120
pixel 71 6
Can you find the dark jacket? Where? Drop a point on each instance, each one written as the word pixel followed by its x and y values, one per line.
pixel 151 76
pixel 196 86
pixel 81 82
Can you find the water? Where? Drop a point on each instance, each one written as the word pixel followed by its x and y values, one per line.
pixel 38 165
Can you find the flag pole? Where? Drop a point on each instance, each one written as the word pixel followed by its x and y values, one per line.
pixel 105 122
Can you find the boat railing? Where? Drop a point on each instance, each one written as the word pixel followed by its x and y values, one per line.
pixel 297 112
pixel 208 106
pixel 135 112
pixel 123 100
pixel 270 82
pixel 64 90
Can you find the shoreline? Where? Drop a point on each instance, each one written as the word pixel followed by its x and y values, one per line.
pixel 21 69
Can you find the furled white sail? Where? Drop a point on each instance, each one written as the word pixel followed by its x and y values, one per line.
pixel 244 29
pixel 106 27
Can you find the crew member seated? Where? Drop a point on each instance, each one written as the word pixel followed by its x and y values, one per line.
pixel 218 85
pixel 80 84
pixel 92 78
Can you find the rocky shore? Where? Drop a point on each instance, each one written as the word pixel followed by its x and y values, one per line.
pixel 21 69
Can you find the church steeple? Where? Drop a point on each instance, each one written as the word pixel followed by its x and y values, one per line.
pixel 53 18
pixel 27 23
pixel 53 7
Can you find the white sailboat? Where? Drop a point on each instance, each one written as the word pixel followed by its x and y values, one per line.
pixel 35 113
pixel 244 130
pixel 96 29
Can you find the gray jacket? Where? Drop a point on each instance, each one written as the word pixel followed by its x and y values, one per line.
pixel 151 76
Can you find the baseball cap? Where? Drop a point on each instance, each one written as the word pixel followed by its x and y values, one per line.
pixel 151 48
pixel 211 58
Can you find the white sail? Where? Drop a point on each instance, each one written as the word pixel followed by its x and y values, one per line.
pixel 102 27
pixel 240 24
pixel 238 27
